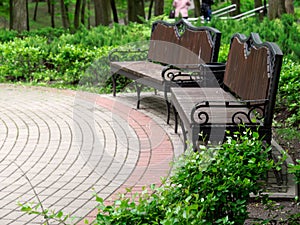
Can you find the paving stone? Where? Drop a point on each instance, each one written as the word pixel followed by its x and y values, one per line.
pixel 71 145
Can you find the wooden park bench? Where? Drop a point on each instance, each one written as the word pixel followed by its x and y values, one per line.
pixel 178 44
pixel 246 97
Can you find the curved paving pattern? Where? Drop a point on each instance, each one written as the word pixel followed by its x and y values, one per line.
pixel 64 146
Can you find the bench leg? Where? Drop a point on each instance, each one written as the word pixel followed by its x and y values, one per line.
pixel 139 88
pixel 168 104
pixel 278 175
pixel 114 84
pixel 184 135
pixel 176 119
pixel 195 138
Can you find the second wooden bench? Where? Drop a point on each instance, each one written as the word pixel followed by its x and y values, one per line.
pixel 247 96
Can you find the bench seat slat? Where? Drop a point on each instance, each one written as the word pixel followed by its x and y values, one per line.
pixel 147 73
pixel 184 99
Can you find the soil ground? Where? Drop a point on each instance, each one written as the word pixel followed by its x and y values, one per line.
pixel 281 211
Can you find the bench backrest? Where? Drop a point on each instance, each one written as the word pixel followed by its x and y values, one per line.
pixel 253 69
pixel 182 43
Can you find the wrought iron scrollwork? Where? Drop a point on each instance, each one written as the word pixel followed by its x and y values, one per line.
pixel 258 111
pixel 178 76
pixel 238 119
pixel 254 113
pixel 202 115
pixel 170 76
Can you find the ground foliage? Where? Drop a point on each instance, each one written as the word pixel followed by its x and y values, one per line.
pixel 208 187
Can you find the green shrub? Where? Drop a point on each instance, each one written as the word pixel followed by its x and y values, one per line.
pixel 56 56
pixel 106 36
pixel 209 187
pixel 21 57
pixel 71 61
pixel 47 32
pixel 223 53
pixel 7 35
pixel 288 100
pixel 295 169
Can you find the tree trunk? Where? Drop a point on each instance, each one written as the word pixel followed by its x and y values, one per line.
pixel 77 14
pixel 49 6
pixel 197 10
pixel 52 11
pixel 35 10
pixel 289 7
pixel 276 9
pixel 89 13
pixel 258 3
pixel 64 15
pixel 150 9
pixel 272 13
pixel 238 7
pixel 158 8
pixel 11 14
pixel 19 15
pixel 83 11
pixel 281 7
pixel 135 10
pixel 114 10
pixel 101 12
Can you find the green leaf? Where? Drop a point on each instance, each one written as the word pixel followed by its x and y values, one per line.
pixel 59 214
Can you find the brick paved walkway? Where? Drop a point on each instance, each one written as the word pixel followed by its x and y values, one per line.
pixel 70 145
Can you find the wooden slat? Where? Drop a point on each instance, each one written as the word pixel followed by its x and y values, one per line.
pixel 191 47
pixel 144 72
pixel 247 71
pixel 184 99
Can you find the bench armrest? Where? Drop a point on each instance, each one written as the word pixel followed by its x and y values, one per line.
pixel 255 108
pixel 208 74
pixel 118 55
pixel 175 74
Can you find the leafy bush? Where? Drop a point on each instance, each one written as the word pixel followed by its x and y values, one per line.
pixel 7 35
pixel 21 57
pixel 288 100
pixel 295 169
pixel 223 53
pixel 209 187
pixel 47 32
pixel 106 36
pixel 61 57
